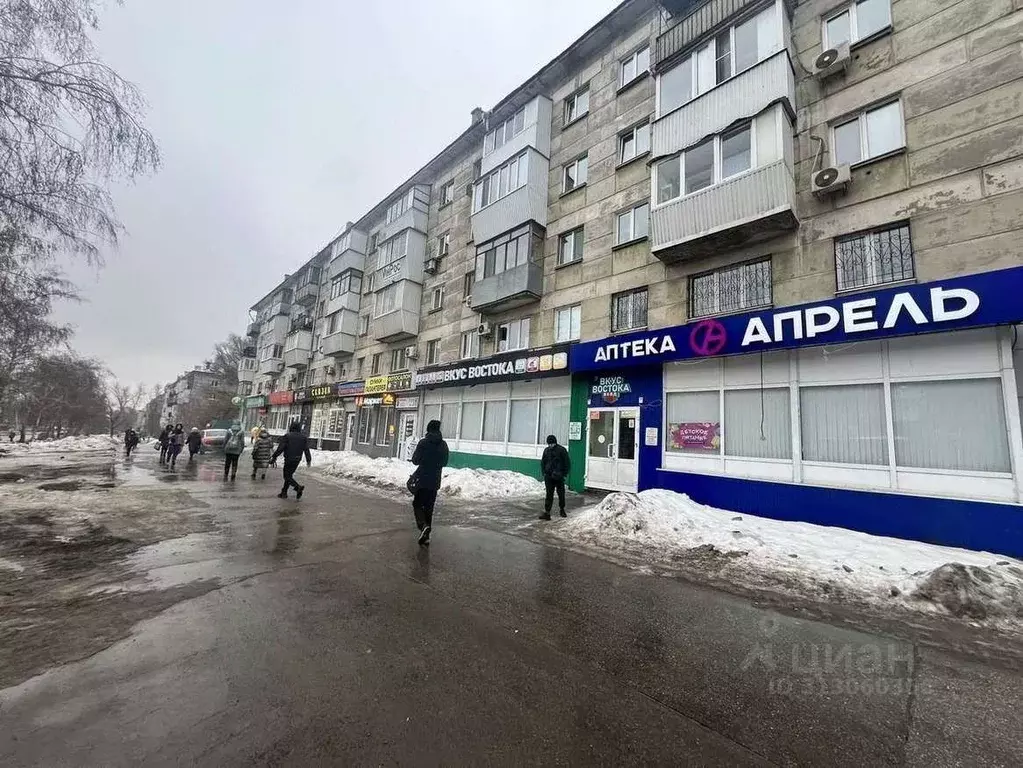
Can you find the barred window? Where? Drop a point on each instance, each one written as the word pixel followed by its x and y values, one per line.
pixel 732 289
pixel 628 310
pixel 872 258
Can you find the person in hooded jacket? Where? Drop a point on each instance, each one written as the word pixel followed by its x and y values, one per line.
pixel 131 441
pixel 164 442
pixel 175 444
pixel 194 441
pixel 234 445
pixel 293 445
pixel 262 450
pixel 430 458
pixel 555 465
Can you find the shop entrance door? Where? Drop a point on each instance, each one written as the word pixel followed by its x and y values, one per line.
pixel 611 454
pixel 407 435
pixel 349 443
pixel 307 418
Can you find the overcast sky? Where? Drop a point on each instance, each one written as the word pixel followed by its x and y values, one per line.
pixel 278 122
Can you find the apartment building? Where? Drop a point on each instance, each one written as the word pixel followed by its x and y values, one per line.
pixel 181 396
pixel 763 253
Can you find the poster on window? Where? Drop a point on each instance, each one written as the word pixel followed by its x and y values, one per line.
pixel 695 436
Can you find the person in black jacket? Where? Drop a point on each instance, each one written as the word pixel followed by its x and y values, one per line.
pixel 555 465
pixel 293 445
pixel 164 442
pixel 194 443
pixel 430 458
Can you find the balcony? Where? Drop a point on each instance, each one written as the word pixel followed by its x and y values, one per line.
pixel 272 366
pixel 528 203
pixel 275 330
pixel 755 206
pixel 744 96
pixel 395 326
pixel 695 23
pixel 349 300
pixel 247 370
pixel 280 308
pixel 338 344
pixel 252 330
pixel 306 294
pixel 298 349
pixel 509 289
pixel 347 259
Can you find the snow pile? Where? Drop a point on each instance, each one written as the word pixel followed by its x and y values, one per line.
pixel 824 561
pixel 393 473
pixel 75 444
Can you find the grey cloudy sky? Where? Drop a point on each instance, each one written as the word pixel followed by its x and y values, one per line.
pixel 278 122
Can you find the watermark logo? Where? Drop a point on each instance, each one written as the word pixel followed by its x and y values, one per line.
pixel 708 337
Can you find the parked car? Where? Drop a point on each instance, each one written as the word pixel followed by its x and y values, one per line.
pixel 214 439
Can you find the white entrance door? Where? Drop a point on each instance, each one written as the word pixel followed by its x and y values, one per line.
pixel 350 432
pixel 611 454
pixel 407 435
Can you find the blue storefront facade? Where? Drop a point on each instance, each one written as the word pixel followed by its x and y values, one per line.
pixel 895 412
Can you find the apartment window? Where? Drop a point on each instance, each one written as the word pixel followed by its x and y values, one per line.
pixel 470 347
pixel 634 143
pixel 570 246
pixel 577 105
pixel 575 173
pixel 709 162
pixel 374 368
pixel 358 367
pixel 870 134
pixel 387 300
pixel 467 281
pixel 398 359
pixel 370 282
pixel 334 323
pixel 505 132
pixel 341 245
pixel 508 251
pixel 633 224
pixel 872 258
pixel 633 66
pixel 399 207
pixel 349 281
pixel 437 299
pixel 447 193
pixel 731 289
pixel 628 310
pixel 857 22
pixel 444 244
pixel 393 249
pixel 432 352
pixel 271 352
pixel 729 53
pixel 513 335
pixel 363 325
pixel 567 322
pixel 322 310
pixel 501 182
pixel 373 242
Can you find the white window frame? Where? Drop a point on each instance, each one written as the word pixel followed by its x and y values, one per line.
pixel 444 244
pixel 437 299
pixel 490 140
pixel 447 193
pixel 519 328
pixel 718 166
pixel 363 325
pixel 573 309
pixel 861 117
pixel 631 213
pixel 470 346
pixel 392 289
pixel 581 167
pixel 374 364
pixel 744 304
pixel 854 34
pixel 400 207
pixel 573 110
pixel 433 351
pixel 633 58
pixel 633 134
pixel 577 239
pixel 521 163
pixel 398 360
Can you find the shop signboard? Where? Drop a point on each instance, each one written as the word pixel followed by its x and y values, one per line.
pixel 375 384
pixel 399 382
pixel 971 301
pixel 407 403
pixel 285 397
pixel 368 401
pixel 255 401
pixel 349 388
pixel 510 366
pixel 322 392
pixel 609 389
pixel 302 395
pixel 695 436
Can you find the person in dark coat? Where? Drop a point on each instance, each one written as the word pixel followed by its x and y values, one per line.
pixel 164 441
pixel 430 458
pixel 262 451
pixel 555 465
pixel 131 441
pixel 293 445
pixel 175 444
pixel 194 442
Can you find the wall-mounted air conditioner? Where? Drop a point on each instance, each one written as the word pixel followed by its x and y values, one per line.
pixel 830 181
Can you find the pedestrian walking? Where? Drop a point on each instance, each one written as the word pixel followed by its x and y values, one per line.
pixel 11 436
pixel 175 444
pixel 164 442
pixel 131 441
pixel 293 445
pixel 555 465
pixel 430 458
pixel 234 445
pixel 194 442
pixel 262 450
pixel 254 433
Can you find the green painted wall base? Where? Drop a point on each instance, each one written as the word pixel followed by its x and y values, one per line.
pixel 530 467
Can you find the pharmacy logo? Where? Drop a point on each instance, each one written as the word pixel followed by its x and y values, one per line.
pixel 708 337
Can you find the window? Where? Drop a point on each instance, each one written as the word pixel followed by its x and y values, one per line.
pixel 334 323
pixel 507 130
pixel 709 162
pixel 577 105
pixel 432 352
pixel 322 309
pixel 872 258
pixel 570 246
pixel 857 22
pixel 633 224
pixel 467 282
pixel 567 322
pixel 844 424
pixel 363 325
pixel 387 300
pixel 437 299
pixel 513 335
pixel 495 421
pixel 444 244
pixel 470 345
pixel 729 53
pixel 501 182
pixel 373 242
pixel 508 251
pixel 634 143
pixel 375 364
pixel 393 249
pixel 693 422
pixel 633 66
pixel 628 310
pixel 398 360
pixel 384 425
pixel 370 283
pixel 472 421
pixel 554 419
pixel 522 422
pixel 447 193
pixel 349 281
pixel 358 367
pixel 871 134
pixel 400 206
pixel 757 424
pixel 575 174
pixel 744 286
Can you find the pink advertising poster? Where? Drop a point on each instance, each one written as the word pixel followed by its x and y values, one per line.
pixel 695 436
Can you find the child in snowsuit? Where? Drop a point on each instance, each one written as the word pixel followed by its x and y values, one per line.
pixel 262 450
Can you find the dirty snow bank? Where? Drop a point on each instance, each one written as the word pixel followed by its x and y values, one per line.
pixel 76 444
pixel 393 473
pixel 801 557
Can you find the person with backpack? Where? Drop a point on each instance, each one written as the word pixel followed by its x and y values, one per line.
pixel 293 445
pixel 555 465
pixel 234 445
pixel 262 450
pixel 430 458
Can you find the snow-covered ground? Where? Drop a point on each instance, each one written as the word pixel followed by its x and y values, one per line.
pixel 393 473
pixel 77 444
pixel 823 562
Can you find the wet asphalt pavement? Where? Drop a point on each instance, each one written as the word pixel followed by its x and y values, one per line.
pixel 318 633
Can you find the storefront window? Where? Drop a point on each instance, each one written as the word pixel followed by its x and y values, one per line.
pixel 757 424
pixel 384 426
pixel 366 423
pixel 449 419
pixel 522 426
pixel 844 424
pixel 694 422
pixel 472 421
pixel 494 421
pixel 553 420
pixel 335 424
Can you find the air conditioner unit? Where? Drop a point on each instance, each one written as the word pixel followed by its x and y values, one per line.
pixel 831 62
pixel 830 181
pixel 411 352
pixel 430 266
pixel 467 300
pixel 484 329
pixel 280 366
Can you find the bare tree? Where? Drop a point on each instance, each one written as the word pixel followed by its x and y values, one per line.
pixel 68 123
pixel 63 394
pixel 123 402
